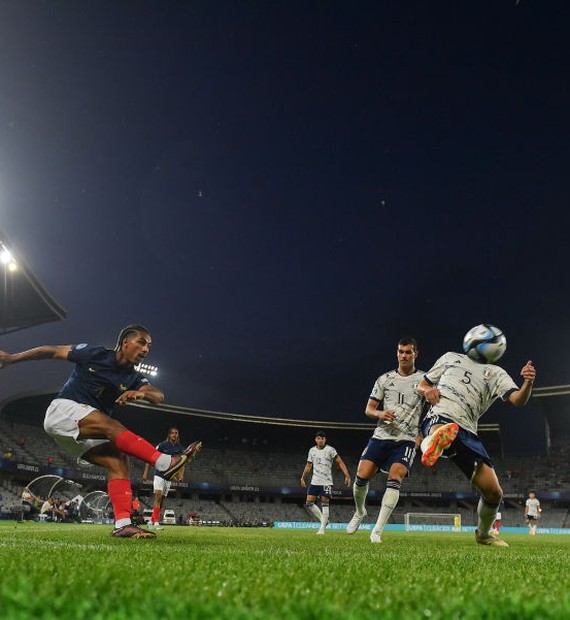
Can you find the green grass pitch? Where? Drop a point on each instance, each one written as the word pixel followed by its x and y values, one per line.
pixel 78 571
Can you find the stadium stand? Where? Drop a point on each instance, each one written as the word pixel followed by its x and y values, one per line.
pixel 254 484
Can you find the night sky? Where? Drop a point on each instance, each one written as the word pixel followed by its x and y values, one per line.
pixel 282 190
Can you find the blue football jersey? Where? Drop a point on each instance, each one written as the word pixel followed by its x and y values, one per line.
pixel 167 447
pixel 97 378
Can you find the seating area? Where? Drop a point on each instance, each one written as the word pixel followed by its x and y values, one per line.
pixel 253 481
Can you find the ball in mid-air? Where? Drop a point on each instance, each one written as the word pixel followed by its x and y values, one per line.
pixel 485 343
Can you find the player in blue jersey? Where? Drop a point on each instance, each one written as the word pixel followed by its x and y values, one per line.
pixel 396 408
pixel 79 418
pixel 161 486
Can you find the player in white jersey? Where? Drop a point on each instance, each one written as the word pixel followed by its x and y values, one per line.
pixel 460 390
pixel 532 512
pixel 396 406
pixel 320 461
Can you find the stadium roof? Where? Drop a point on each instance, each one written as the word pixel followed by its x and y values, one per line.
pixel 24 301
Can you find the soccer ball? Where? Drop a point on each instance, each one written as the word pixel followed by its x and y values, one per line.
pixel 485 343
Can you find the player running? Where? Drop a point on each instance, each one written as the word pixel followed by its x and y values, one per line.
pixel 396 407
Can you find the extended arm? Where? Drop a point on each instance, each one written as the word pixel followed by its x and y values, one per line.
pixel 45 352
pixel 520 397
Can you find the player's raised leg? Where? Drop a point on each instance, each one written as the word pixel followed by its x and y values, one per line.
pixel 440 438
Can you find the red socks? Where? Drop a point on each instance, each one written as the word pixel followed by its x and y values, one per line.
pixel 121 496
pixel 156 514
pixel 132 444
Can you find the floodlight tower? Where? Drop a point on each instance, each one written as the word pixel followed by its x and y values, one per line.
pixel 26 303
pixel 147 369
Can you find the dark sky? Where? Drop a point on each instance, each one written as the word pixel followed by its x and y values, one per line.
pixel 281 190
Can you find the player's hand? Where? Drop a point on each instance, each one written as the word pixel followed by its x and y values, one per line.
pixel 347 481
pixel 387 416
pixel 528 373
pixel 303 483
pixel 130 396
pixel 432 395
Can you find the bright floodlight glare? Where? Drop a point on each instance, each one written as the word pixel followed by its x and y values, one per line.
pixel 7 259
pixel 147 369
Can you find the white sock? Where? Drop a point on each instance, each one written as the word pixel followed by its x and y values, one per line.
pixel 425 443
pixel 360 494
pixel 325 511
pixel 163 462
pixel 122 522
pixel 316 511
pixel 389 502
pixel 487 513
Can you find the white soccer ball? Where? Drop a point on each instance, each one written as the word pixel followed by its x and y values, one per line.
pixel 485 343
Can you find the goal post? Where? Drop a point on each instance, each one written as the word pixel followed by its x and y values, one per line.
pixel 445 521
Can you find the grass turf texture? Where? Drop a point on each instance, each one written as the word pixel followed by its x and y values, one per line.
pixel 80 572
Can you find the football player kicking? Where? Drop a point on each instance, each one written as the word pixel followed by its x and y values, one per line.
pixel 460 390
pixel 79 418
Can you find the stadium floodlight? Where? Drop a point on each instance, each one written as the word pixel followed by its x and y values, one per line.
pixel 147 369
pixel 7 259
pixel 25 302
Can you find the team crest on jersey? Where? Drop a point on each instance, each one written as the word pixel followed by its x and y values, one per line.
pixel 487 373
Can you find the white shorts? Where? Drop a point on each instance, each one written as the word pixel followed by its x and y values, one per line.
pixel 62 423
pixel 160 484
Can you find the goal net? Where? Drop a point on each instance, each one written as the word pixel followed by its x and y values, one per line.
pixel 433 521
